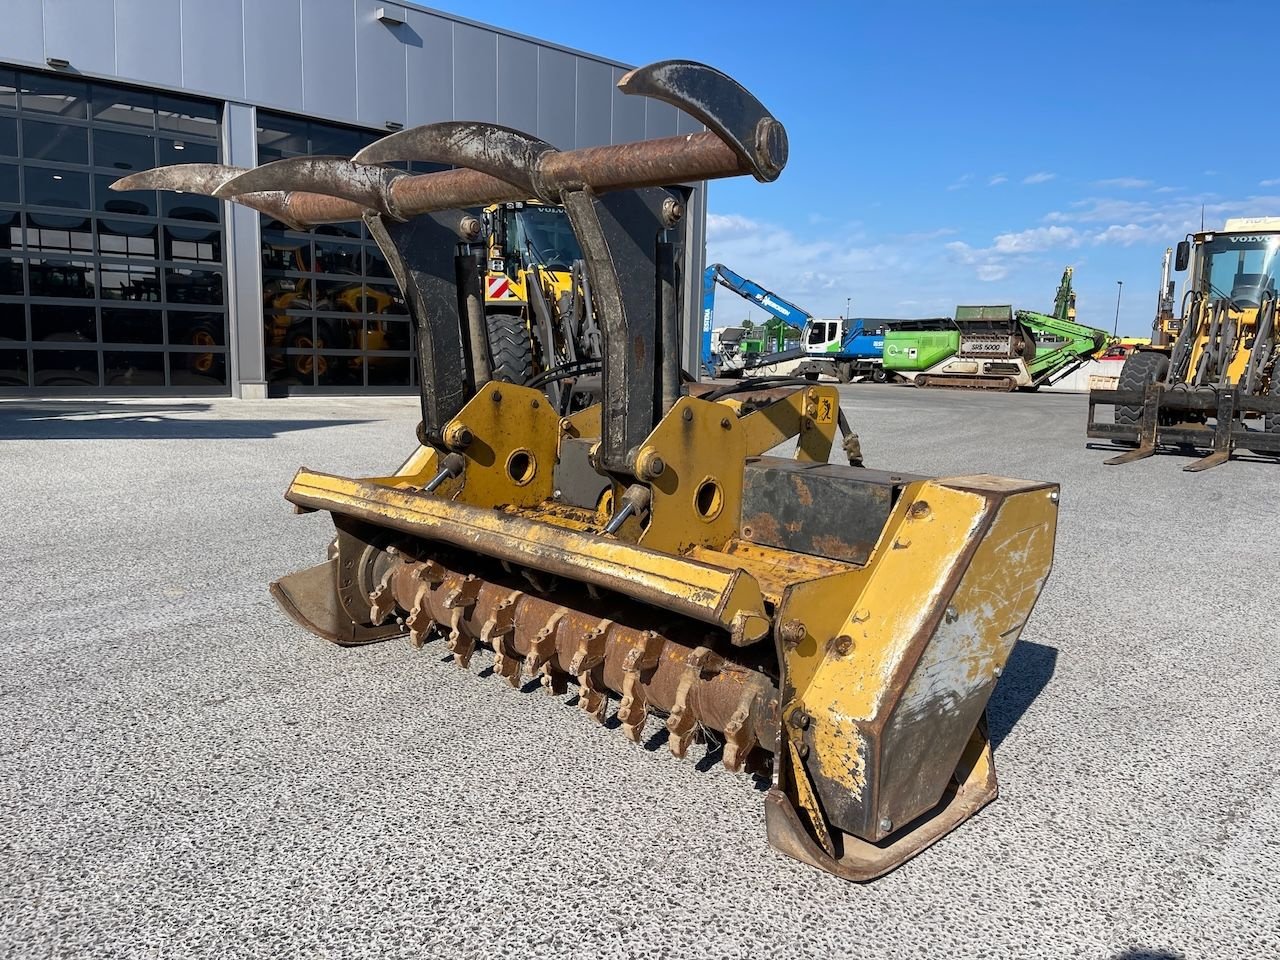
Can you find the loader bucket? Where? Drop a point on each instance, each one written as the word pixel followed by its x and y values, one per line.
pixel 837 629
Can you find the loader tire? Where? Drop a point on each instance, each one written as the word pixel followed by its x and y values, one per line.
pixel 1140 368
pixel 1271 421
pixel 510 347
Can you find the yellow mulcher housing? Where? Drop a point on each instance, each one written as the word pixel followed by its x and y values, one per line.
pixel 1217 361
pixel 837 629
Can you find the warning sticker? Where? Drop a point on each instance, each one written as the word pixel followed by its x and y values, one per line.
pixel 826 411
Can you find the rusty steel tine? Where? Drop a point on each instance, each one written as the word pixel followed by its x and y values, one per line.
pixel 202 178
pixel 502 152
pixel 719 102
pixel 206 179
pixel 364 184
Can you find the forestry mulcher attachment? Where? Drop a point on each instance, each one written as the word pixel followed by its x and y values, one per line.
pixel 1218 361
pixel 840 628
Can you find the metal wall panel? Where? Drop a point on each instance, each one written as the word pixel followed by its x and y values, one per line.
pixel 137 24
pixel 213 48
pixel 273 53
pixel 333 60
pixel 517 89
pixel 380 66
pixel 22 38
pixel 429 69
pixel 659 119
pixel 628 112
pixel 244 263
pixel 557 88
pixel 328 59
pixel 594 107
pixel 82 31
pixel 475 73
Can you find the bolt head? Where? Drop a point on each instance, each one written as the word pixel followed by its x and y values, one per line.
pixel 886 825
pixel 687 415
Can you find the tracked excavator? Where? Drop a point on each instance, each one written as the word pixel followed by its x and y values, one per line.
pixel 838 630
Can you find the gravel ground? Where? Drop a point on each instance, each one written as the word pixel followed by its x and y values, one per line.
pixel 184 773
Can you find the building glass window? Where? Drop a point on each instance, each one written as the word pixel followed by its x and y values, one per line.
pixel 334 319
pixel 116 292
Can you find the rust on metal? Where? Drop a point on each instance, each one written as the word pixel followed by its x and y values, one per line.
pixel 606 644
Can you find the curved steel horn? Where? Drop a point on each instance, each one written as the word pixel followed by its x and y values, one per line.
pixel 369 186
pixel 721 103
pixel 499 151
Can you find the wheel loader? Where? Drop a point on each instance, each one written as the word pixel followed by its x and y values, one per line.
pixel 537 301
pixel 838 630
pixel 1217 361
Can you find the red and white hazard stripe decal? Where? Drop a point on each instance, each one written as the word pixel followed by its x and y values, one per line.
pixel 497 288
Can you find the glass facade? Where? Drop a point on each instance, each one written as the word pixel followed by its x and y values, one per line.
pixel 333 317
pixel 102 291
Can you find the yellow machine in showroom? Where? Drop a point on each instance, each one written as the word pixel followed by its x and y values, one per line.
pixel 839 630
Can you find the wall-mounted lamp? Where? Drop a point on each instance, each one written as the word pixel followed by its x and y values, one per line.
pixel 57 63
pixel 394 125
pixel 391 14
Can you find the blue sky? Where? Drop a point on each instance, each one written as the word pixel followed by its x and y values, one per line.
pixel 965 152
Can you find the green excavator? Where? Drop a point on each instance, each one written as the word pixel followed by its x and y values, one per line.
pixel 994 347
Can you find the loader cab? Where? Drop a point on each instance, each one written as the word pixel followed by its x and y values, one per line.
pixel 1238 267
pixel 524 233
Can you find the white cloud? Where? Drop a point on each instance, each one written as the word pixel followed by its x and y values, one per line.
pixel 1269 183
pixel 721 224
pixel 1042 176
pixel 961 182
pixel 1035 239
pixel 1125 183
pixel 997 179
pixel 1126 235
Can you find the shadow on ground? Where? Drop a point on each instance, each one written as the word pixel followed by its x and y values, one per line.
pixel 103 421
pixel 1029 670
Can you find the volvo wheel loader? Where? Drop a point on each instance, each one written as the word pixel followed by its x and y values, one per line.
pixel 1218 361
pixel 837 629
pixel 537 299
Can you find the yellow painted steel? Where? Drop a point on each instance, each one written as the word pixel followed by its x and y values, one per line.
pixel 512 455
pixel 809 415
pixel 728 598
pixel 697 498
pixel 931 618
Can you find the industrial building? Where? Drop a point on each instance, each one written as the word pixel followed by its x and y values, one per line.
pixel 144 293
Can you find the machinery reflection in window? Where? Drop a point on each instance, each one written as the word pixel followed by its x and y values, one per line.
pixel 98 289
